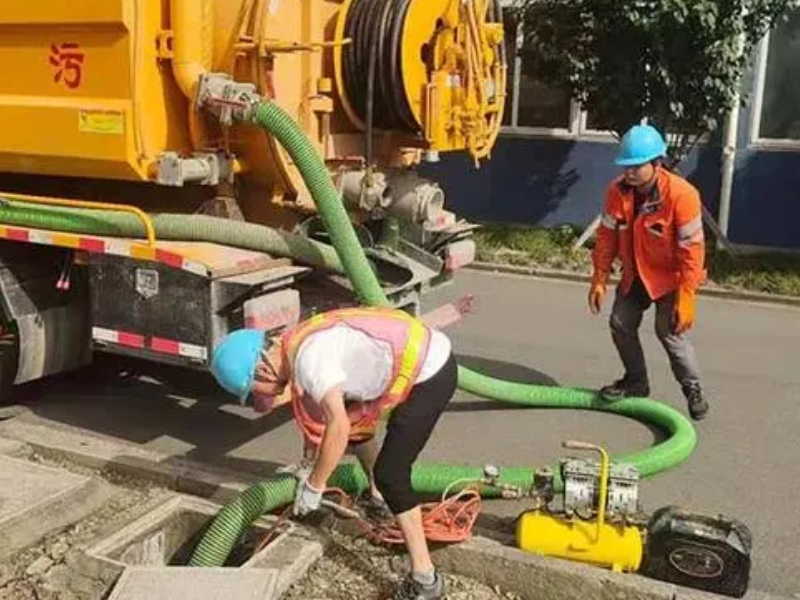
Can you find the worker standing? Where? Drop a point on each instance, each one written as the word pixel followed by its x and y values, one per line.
pixel 652 222
pixel 344 369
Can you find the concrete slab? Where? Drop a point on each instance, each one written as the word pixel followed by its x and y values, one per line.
pixel 35 500
pixel 169 583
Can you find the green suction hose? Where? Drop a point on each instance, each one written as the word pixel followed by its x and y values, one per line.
pixel 280 125
pixel 234 518
pixel 198 228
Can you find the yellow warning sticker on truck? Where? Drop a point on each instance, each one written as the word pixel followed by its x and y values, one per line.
pixel 109 122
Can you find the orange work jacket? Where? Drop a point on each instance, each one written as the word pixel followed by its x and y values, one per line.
pixel 664 244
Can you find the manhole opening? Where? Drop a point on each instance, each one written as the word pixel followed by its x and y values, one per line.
pixel 170 538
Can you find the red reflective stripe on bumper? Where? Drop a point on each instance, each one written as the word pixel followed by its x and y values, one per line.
pixel 169 258
pixel 20 235
pixel 165 346
pixel 92 245
pixel 130 339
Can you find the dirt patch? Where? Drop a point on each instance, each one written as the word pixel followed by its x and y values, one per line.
pixel 355 568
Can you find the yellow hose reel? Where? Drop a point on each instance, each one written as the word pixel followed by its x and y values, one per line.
pixel 438 70
pixel 588 538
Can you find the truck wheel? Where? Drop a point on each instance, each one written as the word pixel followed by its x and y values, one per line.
pixel 9 359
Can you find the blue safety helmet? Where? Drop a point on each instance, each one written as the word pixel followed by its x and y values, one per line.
pixel 640 145
pixel 235 360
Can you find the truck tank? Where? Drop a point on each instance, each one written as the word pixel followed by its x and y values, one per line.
pixel 99 101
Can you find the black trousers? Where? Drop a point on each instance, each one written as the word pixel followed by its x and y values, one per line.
pixel 626 317
pixel 407 432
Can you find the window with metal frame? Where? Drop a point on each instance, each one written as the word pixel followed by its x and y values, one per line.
pixel 776 107
pixel 534 108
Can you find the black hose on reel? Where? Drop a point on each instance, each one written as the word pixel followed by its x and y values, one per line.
pixel 376 28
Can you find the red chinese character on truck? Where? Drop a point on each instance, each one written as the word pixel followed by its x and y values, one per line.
pixel 67 61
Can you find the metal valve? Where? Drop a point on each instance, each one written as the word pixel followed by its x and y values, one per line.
pixel 491 476
pixel 491 472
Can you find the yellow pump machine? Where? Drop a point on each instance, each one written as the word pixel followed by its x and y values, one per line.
pixel 586 530
pixel 600 522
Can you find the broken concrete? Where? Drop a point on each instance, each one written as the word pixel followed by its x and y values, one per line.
pixel 169 583
pixel 35 500
pixel 40 566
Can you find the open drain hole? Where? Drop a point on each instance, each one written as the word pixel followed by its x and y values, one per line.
pixel 168 536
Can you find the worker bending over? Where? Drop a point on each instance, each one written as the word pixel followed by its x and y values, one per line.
pixel 652 222
pixel 344 369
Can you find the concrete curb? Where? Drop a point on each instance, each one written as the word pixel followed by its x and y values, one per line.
pixel 707 290
pixel 216 484
pixel 532 577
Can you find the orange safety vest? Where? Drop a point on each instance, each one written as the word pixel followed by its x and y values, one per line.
pixel 664 244
pixel 409 339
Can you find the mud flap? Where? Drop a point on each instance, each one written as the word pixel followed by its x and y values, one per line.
pixel 53 341
pixel 52 323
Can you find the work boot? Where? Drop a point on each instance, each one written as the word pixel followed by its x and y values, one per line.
pixel 374 508
pixel 698 406
pixel 411 589
pixel 625 388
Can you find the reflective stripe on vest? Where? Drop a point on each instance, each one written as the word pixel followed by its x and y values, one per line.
pixel 691 233
pixel 364 416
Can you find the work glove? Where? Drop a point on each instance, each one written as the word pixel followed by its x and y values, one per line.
pixel 597 292
pixel 307 499
pixel 684 310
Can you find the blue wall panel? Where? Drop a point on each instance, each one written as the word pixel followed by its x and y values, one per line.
pixel 547 182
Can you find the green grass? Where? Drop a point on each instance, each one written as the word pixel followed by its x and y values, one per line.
pixel 771 273
pixel 528 246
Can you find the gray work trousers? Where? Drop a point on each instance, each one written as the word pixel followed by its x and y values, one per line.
pixel 626 317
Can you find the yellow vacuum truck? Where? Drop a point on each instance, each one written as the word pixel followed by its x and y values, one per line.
pixel 139 216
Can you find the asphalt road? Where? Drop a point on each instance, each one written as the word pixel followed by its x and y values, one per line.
pixel 746 464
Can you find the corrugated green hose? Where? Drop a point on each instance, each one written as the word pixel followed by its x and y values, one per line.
pixel 315 174
pixel 192 228
pixel 234 518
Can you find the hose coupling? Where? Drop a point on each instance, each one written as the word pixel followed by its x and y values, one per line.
pixel 227 99
pixel 491 477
